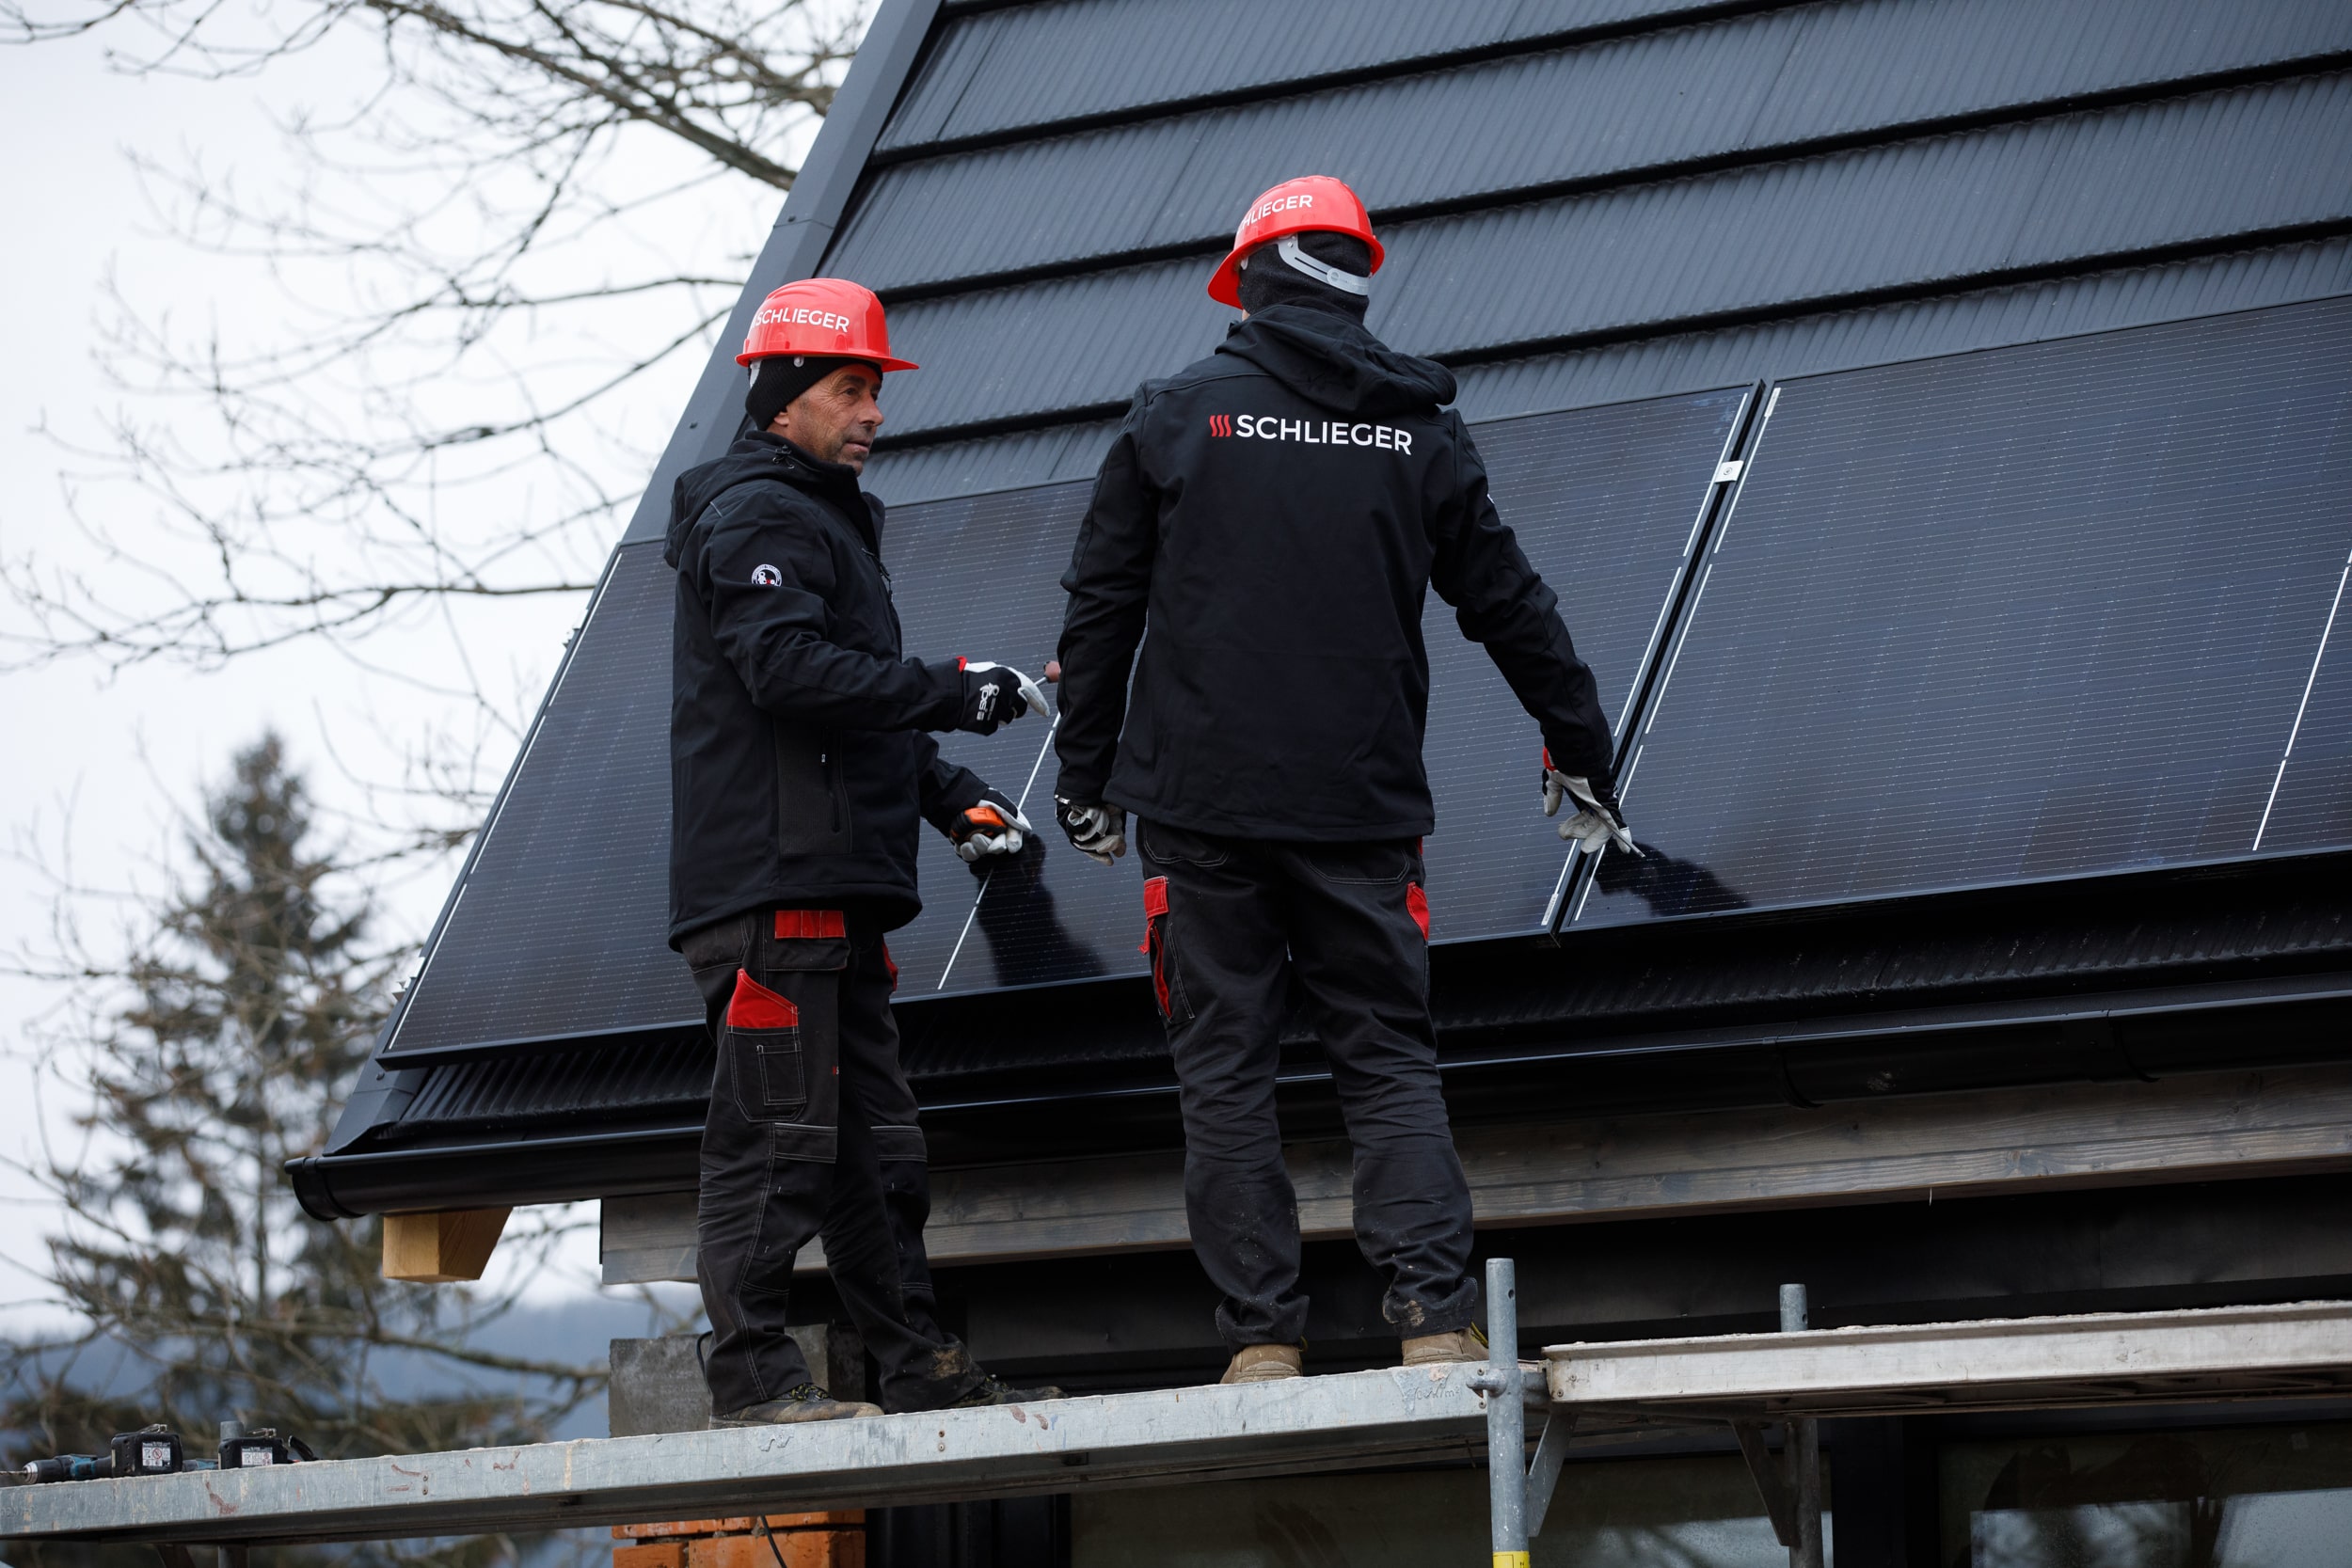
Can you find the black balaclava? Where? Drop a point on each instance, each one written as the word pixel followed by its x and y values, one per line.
pixel 1267 279
pixel 779 378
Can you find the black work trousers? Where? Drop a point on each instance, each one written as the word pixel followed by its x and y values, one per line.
pixel 1233 922
pixel 812 1132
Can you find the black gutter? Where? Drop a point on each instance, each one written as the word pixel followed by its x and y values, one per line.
pixel 2118 1036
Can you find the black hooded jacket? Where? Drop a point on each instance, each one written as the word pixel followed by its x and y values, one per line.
pixel 798 771
pixel 1275 514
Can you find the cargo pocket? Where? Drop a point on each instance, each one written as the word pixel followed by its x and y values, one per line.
pixel 766 1057
pixel 1166 987
pixel 782 1035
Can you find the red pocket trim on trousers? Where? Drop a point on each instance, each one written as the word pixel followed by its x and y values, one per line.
pixel 754 1007
pixel 1417 903
pixel 807 925
pixel 1154 939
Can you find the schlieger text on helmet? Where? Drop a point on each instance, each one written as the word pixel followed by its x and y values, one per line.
pixel 825 321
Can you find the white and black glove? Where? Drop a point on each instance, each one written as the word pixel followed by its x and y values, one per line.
pixel 1597 822
pixel 1100 831
pixel 995 694
pixel 994 829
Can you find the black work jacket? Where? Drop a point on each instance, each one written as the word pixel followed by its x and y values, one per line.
pixel 1276 514
pixel 798 774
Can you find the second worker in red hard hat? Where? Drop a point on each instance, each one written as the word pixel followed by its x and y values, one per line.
pixel 1275 515
pixel 801 773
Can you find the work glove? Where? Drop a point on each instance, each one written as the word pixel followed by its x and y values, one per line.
pixel 1597 822
pixel 994 829
pixel 995 694
pixel 1099 832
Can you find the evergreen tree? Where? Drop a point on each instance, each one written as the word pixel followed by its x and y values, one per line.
pixel 203 1292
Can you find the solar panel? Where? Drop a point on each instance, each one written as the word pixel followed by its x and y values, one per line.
pixel 1606 503
pixel 980 577
pixel 2031 612
pixel 559 929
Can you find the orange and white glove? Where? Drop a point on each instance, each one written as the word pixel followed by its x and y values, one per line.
pixel 994 829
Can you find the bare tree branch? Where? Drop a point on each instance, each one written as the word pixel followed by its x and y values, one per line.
pixel 497 267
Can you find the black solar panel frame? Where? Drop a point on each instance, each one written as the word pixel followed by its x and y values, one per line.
pixel 1440 631
pixel 2326 714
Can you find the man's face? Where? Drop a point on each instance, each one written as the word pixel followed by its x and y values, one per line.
pixel 836 419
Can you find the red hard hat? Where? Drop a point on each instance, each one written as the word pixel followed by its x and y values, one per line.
pixel 830 318
pixel 1292 207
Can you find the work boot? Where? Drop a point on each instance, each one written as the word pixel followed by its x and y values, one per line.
pixel 995 1390
pixel 1433 1350
pixel 802 1403
pixel 1262 1364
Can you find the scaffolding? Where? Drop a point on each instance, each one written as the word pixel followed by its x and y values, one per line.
pixel 1462 1412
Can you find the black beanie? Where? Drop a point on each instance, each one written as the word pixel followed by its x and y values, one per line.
pixel 781 377
pixel 1267 279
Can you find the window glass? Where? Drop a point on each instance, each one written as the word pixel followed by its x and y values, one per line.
pixel 2255 1497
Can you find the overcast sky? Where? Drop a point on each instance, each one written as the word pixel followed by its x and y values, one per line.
pixel 100 762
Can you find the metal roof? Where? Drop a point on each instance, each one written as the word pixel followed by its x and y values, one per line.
pixel 1833 228
pixel 1744 89
pixel 1911 329
pixel 1648 367
pixel 985 78
pixel 1585 201
pixel 1652 365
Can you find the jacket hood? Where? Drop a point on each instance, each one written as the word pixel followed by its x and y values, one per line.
pixel 1335 363
pixel 757 455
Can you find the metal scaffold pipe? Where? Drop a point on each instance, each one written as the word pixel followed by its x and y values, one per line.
pixel 1507 1420
pixel 1804 1447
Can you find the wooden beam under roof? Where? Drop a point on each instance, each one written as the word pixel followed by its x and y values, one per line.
pixel 2196 1128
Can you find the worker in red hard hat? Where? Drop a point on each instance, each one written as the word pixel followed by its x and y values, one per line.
pixel 799 773
pixel 1275 514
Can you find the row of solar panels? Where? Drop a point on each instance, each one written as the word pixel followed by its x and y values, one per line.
pixel 2032 612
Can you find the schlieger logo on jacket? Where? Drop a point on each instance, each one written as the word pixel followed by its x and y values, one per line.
pixel 1312 432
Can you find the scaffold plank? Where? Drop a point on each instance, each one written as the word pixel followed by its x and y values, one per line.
pixel 1055 1446
pixel 1996 1363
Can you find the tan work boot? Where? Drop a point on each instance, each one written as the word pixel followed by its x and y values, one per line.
pixel 1431 1350
pixel 1262 1364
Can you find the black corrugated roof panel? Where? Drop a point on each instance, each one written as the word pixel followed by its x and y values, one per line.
pixel 999 70
pixel 1913 329
pixel 1527 122
pixel 1928 214
pixel 907 474
pixel 1651 367
pixel 556 1088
